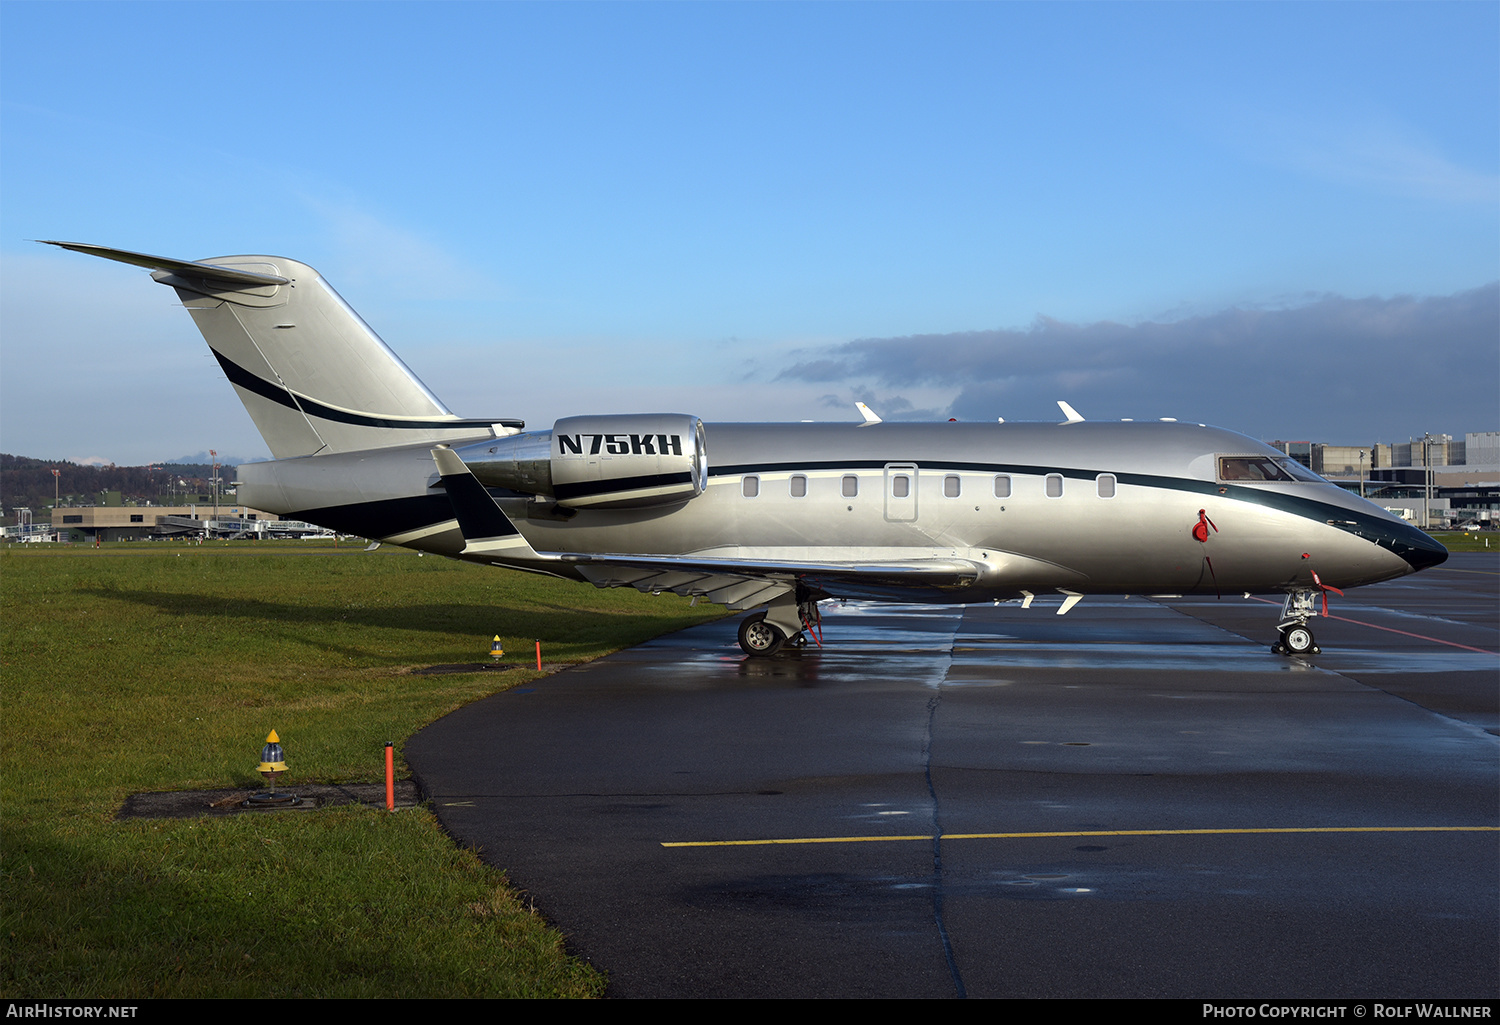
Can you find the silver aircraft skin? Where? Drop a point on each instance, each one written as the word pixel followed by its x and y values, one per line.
pixel 765 514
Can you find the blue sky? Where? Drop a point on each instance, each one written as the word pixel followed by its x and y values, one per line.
pixel 1268 216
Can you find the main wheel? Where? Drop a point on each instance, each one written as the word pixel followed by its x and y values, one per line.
pixel 757 637
pixel 1298 640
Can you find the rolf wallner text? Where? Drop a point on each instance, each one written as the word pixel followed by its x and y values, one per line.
pixel 1362 1009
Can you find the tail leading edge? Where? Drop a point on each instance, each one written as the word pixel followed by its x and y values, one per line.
pixel 312 375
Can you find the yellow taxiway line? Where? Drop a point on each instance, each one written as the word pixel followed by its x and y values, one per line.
pixel 1092 832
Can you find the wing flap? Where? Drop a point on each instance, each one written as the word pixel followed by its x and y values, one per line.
pixel 742 583
pixel 734 591
pixel 937 571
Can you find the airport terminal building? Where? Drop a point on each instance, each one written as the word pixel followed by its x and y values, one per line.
pixel 1436 480
pixel 162 522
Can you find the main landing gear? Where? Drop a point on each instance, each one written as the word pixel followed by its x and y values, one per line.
pixel 1296 638
pixel 757 637
pixel 784 620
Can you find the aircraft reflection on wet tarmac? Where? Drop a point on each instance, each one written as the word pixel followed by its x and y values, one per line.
pixel 866 632
pixel 1137 800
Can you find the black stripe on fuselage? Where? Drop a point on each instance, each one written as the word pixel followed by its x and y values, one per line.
pixel 302 404
pixel 383 518
pixel 563 492
pixel 1410 544
pixel 474 506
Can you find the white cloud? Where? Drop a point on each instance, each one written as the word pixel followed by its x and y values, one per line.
pixel 1366 153
pixel 396 262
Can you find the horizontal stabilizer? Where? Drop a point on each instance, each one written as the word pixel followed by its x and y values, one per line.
pixel 185 268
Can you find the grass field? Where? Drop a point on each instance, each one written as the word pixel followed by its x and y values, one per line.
pixel 1468 541
pixel 147 667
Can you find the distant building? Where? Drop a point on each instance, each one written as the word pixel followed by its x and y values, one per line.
pixel 1343 461
pixel 158 522
pixel 1464 475
pixel 1482 449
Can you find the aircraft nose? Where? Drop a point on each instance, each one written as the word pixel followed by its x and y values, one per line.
pixel 1419 550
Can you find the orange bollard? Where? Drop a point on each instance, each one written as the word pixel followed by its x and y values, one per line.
pixel 538 656
pixel 390 776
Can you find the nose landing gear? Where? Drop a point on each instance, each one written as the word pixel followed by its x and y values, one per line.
pixel 1296 638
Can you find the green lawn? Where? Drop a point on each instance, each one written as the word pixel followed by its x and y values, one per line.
pixel 151 666
pixel 1468 541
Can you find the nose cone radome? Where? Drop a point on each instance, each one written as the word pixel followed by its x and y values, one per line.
pixel 1419 550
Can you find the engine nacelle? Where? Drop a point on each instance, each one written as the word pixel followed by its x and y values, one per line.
pixel 599 462
pixel 628 461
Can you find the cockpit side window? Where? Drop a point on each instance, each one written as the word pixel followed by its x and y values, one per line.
pixel 1282 469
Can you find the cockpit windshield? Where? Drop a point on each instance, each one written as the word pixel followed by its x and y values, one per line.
pixel 1265 468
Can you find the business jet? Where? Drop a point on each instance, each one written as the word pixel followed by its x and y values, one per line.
pixel 766 516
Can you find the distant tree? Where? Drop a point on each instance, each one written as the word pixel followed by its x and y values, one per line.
pixel 29 482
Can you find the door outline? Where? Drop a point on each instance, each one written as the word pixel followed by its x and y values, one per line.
pixel 901 509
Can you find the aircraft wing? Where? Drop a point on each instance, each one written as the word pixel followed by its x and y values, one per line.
pixel 739 578
pixel 741 581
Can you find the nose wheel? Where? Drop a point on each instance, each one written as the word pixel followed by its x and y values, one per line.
pixel 1296 640
pixel 1295 636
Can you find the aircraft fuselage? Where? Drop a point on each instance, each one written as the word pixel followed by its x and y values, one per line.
pixel 1091 508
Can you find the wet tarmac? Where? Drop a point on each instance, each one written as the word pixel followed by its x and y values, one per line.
pixel 1134 799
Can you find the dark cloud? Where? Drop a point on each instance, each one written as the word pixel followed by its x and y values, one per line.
pixel 1336 369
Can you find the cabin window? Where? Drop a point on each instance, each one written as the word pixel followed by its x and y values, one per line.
pixel 1106 483
pixel 750 487
pixel 950 486
pixel 799 486
pixel 1002 486
pixel 900 486
pixel 1054 485
pixel 849 488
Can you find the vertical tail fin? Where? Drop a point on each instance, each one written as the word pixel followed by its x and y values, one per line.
pixel 311 373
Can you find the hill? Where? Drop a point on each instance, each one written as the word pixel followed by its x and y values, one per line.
pixel 30 482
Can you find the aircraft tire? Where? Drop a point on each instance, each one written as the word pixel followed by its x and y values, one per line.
pixel 1298 640
pixel 759 638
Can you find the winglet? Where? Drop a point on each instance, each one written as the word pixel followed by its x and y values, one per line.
pixel 868 413
pixel 1069 412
